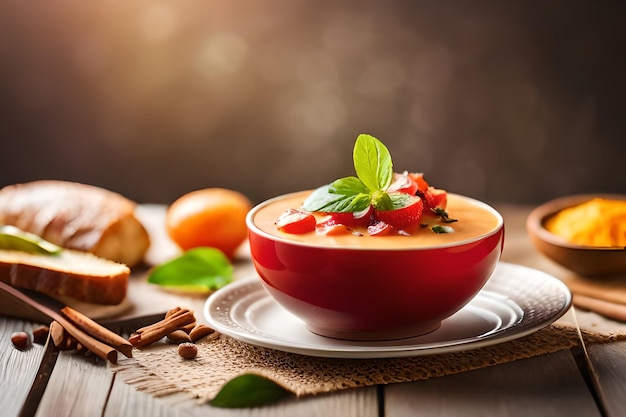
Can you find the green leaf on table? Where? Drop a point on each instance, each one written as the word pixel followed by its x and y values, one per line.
pixel 13 238
pixel 248 390
pixel 199 270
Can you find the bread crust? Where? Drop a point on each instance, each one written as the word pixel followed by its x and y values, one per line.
pixel 77 216
pixel 78 275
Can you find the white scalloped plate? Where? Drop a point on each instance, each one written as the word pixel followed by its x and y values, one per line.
pixel 515 302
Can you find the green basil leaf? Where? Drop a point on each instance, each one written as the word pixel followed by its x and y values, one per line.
pixel 372 162
pixel 382 201
pixel 351 204
pixel 325 200
pixel 374 169
pixel 392 201
pixel 400 200
pixel 320 199
pixel 248 390
pixel 348 186
pixel 13 238
pixel 198 269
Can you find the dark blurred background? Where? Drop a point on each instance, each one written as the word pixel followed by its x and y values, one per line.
pixel 506 101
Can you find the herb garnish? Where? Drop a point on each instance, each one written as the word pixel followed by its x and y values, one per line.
pixel 443 215
pixel 374 170
pixel 438 228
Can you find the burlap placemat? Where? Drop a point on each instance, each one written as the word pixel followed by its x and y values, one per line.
pixel 159 370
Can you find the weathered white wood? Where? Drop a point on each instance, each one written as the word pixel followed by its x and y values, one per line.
pixel 17 368
pixel 125 400
pixel 609 365
pixel 548 385
pixel 77 387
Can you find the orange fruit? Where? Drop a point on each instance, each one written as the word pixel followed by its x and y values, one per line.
pixel 213 217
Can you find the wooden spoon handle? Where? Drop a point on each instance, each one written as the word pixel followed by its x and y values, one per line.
pixel 19 305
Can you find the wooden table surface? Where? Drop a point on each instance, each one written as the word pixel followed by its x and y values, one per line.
pixel 578 382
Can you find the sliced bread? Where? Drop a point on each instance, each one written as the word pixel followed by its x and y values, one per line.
pixel 75 274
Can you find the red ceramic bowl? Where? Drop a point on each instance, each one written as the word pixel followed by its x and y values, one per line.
pixel 373 294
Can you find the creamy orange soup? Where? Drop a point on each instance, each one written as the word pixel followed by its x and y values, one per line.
pixel 473 219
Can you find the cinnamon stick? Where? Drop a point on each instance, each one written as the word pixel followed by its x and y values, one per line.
pixel 169 313
pixel 98 331
pixel 152 333
pixel 604 308
pixel 92 344
pixel 176 310
pixel 102 350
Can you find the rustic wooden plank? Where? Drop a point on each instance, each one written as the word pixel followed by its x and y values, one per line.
pixel 18 368
pixel 77 387
pixel 548 385
pixel 126 400
pixel 609 369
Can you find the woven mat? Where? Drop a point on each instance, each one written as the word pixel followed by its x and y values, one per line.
pixel 159 370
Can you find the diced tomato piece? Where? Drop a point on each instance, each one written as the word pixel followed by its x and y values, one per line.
pixel 435 198
pixel 350 220
pixel 418 177
pixel 403 217
pixel 296 222
pixel 403 183
pixel 330 228
pixel 379 228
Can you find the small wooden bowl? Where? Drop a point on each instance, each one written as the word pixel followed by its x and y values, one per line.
pixel 587 261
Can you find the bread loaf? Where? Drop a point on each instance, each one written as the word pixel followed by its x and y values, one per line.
pixel 78 275
pixel 77 216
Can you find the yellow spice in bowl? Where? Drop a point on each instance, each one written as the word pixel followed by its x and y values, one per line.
pixel 598 222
